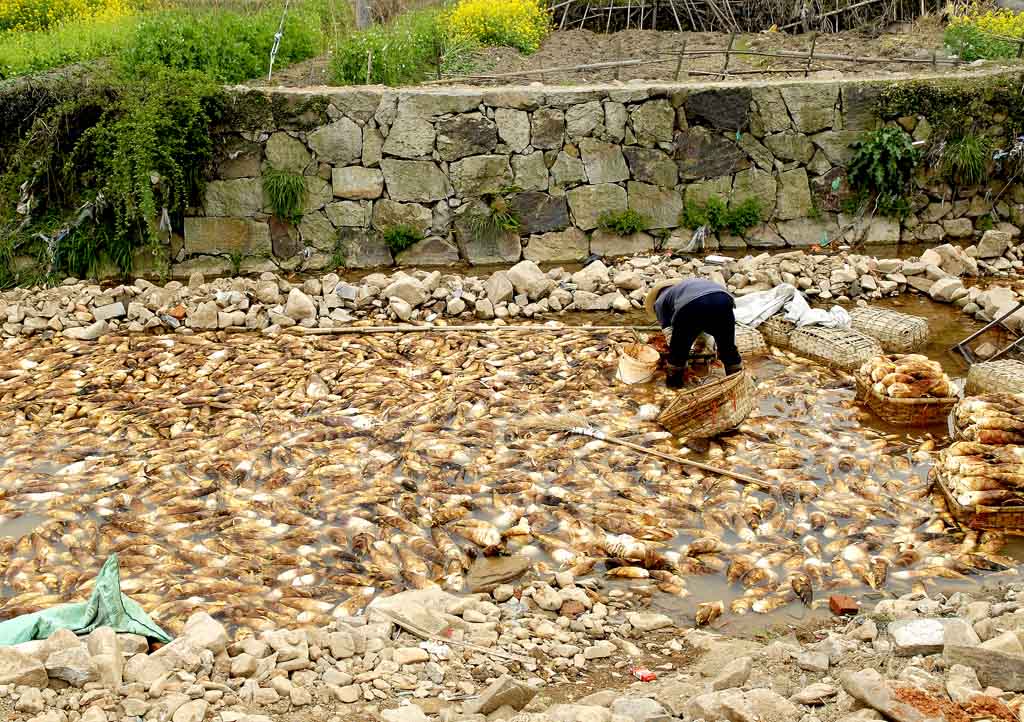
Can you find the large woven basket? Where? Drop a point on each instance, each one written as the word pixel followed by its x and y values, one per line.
pixel 710 409
pixel 896 332
pixel 776 330
pixel 1009 519
pixel 991 376
pixel 750 342
pixel 834 347
pixel 903 412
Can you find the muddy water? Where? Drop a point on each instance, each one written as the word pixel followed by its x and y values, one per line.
pixel 325 471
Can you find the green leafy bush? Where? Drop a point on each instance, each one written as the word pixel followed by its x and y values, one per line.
pixel 127 151
pixel 228 46
pixel 36 51
pixel 402 52
pixel 965 160
pixel 883 162
pixel 286 192
pixel 971 43
pixel 717 216
pixel 624 223
pixel 400 237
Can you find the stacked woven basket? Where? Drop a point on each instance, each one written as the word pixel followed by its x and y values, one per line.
pixel 994 376
pixel 981 474
pixel 711 408
pixel 906 390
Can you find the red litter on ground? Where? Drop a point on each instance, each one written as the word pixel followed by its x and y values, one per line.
pixel 841 605
pixel 643 674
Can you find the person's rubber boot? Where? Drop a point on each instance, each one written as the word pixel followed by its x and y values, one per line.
pixel 675 377
pixel 730 370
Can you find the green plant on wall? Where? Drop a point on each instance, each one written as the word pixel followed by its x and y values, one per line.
pixel 286 193
pixel 494 222
pixel 965 160
pixel 400 237
pixel 716 215
pixel 882 166
pixel 623 223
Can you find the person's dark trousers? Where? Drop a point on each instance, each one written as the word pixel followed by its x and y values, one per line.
pixel 711 314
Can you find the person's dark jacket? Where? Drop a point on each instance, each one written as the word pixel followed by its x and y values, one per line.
pixel 675 297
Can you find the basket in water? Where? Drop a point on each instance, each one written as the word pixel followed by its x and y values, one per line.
pixel 776 330
pixel 710 409
pixel 903 412
pixel 991 376
pixel 1009 519
pixel 838 348
pixel 896 332
pixel 750 342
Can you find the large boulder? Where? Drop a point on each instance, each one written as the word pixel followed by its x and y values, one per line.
pixel 565 246
pixel 463 135
pixel 480 174
pixel 408 289
pixel 20 669
pixel 526 277
pixel 587 203
pixel 340 142
pixel 603 162
pixel 410 137
pixel 993 244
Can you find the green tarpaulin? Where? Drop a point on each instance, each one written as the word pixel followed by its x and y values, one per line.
pixel 107 607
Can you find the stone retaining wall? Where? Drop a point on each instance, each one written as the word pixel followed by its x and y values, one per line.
pixel 374 158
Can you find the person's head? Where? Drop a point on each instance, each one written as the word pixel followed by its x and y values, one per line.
pixel 652 295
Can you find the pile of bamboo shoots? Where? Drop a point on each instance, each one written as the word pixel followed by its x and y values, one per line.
pixel 985 464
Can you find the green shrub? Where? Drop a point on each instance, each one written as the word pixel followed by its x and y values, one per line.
pixel 883 162
pixel 286 192
pixel 495 222
pixel 970 43
pixel 128 150
pixel 228 46
pixel 966 160
pixel 624 223
pixel 400 237
pixel 402 52
pixel 36 51
pixel 717 216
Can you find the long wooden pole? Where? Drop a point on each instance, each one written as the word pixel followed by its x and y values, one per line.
pixel 478 328
pixel 601 436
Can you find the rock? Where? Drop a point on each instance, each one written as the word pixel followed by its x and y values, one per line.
pixel 995 669
pixel 724 109
pixel 401 309
pixel 356 182
pixel 431 251
pixel 587 203
pixel 735 705
pixel 702 154
pixel 411 655
pixel 648 165
pixel 868 687
pixel 513 128
pixel 994 244
pixel 794 195
pixel 958 228
pixel 206 632
pixel 811 106
pixel 813 662
pixel 1008 642
pixel 95 330
pixel 945 289
pixel 962 683
pixel 414 180
pixel 463 135
pixel 648 622
pixel 568 170
pixel 299 306
pixel 348 694
pixel 526 277
pixel 480 174
pixel 592 276
pixel 107 655
pixel 928 636
pixel 530 172
pixel 109 311
pixel 638 709
pixel 815 694
pixel 422 608
pixel 499 288
pixel 539 213
pixel 407 289
pixel 653 122
pixel 410 137
pixel 734 674
pixel 581 120
pixel 548 128
pixel 503 692
pixel 866 632
pixel 603 162
pixel 790 146
pixel 30 702
pixel 287 153
pixel 577 713
pixel 547 598
pixel 607 243
pixel 73 665
pixel 408 713
pixel 569 245
pixel 194 711
pixel 660 207
pixel 341 644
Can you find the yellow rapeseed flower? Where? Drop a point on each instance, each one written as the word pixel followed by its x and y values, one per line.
pixel 519 24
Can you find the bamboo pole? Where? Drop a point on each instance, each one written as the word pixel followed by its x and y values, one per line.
pixel 810 55
pixel 834 12
pixel 476 328
pixel 679 64
pixel 682 460
pixel 728 55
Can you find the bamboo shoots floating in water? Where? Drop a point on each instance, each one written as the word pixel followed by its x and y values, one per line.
pixel 321 471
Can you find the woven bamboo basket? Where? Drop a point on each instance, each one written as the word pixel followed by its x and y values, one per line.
pixel 903 412
pixel 835 347
pixel 1009 519
pixel 776 330
pixel 750 342
pixel 991 376
pixel 896 332
pixel 710 409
